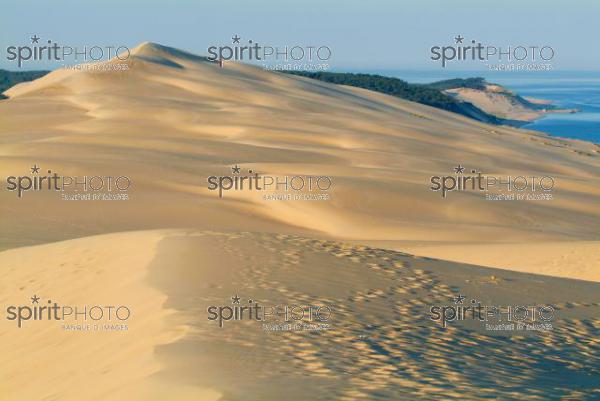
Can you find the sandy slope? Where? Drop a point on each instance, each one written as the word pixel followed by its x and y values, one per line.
pixel 496 103
pixel 74 273
pixel 41 361
pixel 173 119
pixel 579 259
pixel 381 344
pixel 500 102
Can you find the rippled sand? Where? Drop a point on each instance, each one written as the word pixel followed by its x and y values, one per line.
pixel 381 343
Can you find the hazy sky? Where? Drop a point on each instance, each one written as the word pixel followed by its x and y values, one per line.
pixel 362 34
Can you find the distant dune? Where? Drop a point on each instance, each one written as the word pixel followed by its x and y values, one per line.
pixel 471 97
pixel 434 94
pixel 503 103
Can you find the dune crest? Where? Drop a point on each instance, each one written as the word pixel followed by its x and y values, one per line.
pixel 173 119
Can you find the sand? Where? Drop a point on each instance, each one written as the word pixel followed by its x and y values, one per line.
pixel 380 342
pixel 579 259
pixel 496 103
pixel 172 120
pixel 500 102
pixel 169 128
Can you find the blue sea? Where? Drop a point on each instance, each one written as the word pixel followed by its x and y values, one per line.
pixel 567 89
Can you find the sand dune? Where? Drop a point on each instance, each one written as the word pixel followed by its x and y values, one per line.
pixel 579 259
pixel 497 103
pixel 107 270
pixel 503 103
pixel 175 248
pixel 380 344
pixel 173 119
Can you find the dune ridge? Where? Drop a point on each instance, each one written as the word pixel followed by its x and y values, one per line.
pixel 171 124
pixel 175 248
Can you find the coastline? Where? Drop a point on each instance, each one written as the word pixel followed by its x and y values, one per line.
pixel 567 89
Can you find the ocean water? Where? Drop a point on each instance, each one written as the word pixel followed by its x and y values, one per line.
pixel 567 89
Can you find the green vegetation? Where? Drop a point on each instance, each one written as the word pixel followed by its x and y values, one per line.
pixel 390 86
pixel 428 94
pixel 471 83
pixel 11 78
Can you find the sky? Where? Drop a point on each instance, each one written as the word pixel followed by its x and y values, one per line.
pixel 376 34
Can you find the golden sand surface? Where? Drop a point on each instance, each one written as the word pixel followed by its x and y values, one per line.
pixel 175 247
